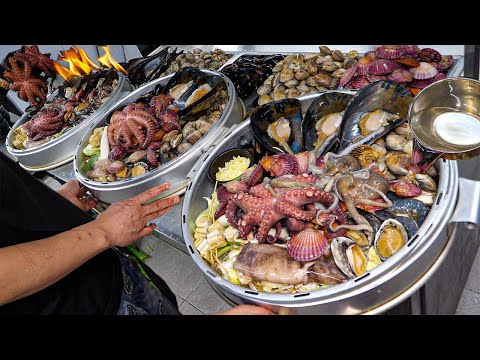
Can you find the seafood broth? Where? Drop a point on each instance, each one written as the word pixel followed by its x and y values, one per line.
pixel 454 130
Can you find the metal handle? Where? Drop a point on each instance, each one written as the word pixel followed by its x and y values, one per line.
pixel 468 204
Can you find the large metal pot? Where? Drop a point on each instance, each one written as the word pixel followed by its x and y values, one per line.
pixel 175 171
pixel 378 290
pixel 61 150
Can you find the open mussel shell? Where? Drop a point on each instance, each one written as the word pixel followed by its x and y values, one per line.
pixel 386 96
pixel 146 69
pixel 391 237
pixel 349 257
pixel 183 76
pixel 266 119
pixel 326 109
pixel 200 96
pixel 225 157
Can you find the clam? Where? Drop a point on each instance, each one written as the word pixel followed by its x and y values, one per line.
pixel 307 245
pixel 302 74
pixel 325 50
pixel 176 140
pixel 390 238
pixel 193 137
pixel 404 131
pixel 349 257
pixel 398 162
pixel 169 136
pixel 139 168
pixel 286 75
pixel 376 110
pixel 184 147
pixel 426 182
pixel 264 99
pixel 291 83
pixel 136 157
pixel 264 90
pixel 395 142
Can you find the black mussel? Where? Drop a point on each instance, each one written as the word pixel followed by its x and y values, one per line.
pixel 199 97
pixel 278 126
pixel 374 111
pixel 96 76
pixel 372 219
pixel 323 120
pixel 408 223
pixel 140 70
pixel 412 208
pixel 182 81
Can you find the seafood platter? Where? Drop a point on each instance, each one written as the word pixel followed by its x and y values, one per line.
pixel 316 205
pixel 289 75
pixel 46 135
pixel 156 134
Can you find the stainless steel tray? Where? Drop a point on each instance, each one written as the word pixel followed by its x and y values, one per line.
pixel 378 286
pixel 61 150
pixel 175 171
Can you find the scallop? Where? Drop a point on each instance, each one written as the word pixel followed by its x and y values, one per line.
pixel 390 238
pixel 307 245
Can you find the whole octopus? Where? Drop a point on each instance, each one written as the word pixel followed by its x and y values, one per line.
pixel 23 71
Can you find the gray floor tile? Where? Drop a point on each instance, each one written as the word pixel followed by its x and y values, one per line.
pixel 205 299
pixel 473 282
pixel 188 309
pixel 163 257
pixel 469 303
pixel 183 277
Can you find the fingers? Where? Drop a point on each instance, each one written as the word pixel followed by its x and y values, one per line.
pixel 147 230
pixel 160 204
pixel 246 310
pixel 82 191
pixel 89 203
pixel 150 194
pixel 157 214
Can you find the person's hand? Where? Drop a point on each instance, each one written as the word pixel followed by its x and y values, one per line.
pixel 73 191
pixel 125 221
pixel 245 310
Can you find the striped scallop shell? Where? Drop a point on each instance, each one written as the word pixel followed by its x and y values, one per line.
pixel 307 245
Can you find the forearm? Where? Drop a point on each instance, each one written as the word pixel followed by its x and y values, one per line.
pixel 30 267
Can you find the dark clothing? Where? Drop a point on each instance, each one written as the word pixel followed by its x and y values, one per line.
pixel 29 210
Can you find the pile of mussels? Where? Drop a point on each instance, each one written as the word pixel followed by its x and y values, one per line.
pixel 333 194
pixel 156 128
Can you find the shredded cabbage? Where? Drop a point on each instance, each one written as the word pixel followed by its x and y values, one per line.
pixel 89 150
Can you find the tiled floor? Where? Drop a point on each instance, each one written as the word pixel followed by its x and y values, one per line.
pixel 194 295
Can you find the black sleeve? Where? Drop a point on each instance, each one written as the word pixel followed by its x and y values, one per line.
pixel 30 210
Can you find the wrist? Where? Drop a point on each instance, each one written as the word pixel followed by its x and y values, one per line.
pixel 96 235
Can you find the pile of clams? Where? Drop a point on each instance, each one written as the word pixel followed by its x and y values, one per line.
pixel 406 64
pixel 157 128
pixel 75 101
pixel 197 58
pixel 334 193
pixel 303 74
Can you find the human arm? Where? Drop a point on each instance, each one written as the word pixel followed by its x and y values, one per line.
pixel 30 267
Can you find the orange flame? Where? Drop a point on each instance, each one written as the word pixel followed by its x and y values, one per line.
pixel 109 61
pixel 80 64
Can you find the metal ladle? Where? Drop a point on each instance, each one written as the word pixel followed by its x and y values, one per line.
pixel 445 121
